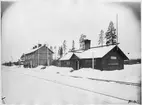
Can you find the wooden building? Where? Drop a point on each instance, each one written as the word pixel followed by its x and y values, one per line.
pixel 40 55
pixel 102 58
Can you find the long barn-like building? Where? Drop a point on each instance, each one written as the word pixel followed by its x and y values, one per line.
pixel 40 55
pixel 102 58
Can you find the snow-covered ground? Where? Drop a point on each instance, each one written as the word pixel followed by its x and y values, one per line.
pixel 55 85
pixel 130 73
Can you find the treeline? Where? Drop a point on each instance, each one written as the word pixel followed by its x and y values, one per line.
pixel 12 63
pixel 8 64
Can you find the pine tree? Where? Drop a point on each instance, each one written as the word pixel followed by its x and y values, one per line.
pixel 61 51
pixel 82 38
pixel 101 38
pixel 64 47
pixel 73 46
pixel 55 51
pixel 111 35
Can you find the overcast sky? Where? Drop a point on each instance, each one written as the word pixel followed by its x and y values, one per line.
pixel 27 23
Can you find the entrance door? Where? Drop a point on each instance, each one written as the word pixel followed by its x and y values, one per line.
pixel 75 64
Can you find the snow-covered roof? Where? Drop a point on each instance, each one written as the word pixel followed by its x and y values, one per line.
pixel 79 51
pixel 97 52
pixel 67 56
pixel 33 50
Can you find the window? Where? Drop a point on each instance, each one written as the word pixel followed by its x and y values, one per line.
pixel 113 57
pixel 88 61
pixel 94 61
pixel 68 62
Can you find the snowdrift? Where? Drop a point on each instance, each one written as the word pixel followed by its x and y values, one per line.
pixel 130 73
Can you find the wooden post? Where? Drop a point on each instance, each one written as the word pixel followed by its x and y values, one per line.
pixel 47 56
pixel 92 60
pixel 31 63
pixel 77 64
pixel 117 30
pixel 37 57
pixel 24 60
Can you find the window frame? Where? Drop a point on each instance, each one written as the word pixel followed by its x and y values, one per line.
pixel 113 57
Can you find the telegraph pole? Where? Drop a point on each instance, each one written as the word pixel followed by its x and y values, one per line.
pixel 11 58
pixel 37 55
pixel 31 61
pixel 117 28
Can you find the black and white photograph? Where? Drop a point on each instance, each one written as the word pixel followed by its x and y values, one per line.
pixel 70 52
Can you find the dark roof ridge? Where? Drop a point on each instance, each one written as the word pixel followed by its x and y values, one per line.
pixel 103 46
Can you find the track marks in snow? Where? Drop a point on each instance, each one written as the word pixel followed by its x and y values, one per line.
pixel 58 82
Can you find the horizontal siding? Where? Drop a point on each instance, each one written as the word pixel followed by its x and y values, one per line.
pixel 87 63
pixel 112 61
pixel 39 57
pixel 65 63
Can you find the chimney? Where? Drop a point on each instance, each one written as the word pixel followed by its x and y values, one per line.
pixel 34 47
pixel 39 45
pixel 87 44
